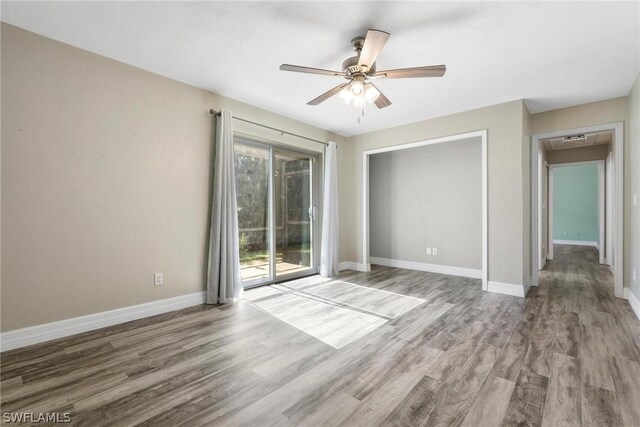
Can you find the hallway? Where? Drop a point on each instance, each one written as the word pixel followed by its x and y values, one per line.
pixel 586 336
pixel 575 269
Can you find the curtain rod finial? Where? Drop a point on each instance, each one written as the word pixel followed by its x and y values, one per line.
pixel 214 112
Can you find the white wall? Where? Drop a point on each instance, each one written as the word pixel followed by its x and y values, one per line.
pixel 428 196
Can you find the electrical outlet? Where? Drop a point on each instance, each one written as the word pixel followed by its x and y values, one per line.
pixel 157 279
pixel 634 274
pixel 435 251
pixel 428 251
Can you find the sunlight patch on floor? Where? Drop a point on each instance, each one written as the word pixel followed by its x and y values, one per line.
pixel 335 312
pixel 333 325
pixel 377 301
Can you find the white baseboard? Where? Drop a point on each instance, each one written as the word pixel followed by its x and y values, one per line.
pixel 506 288
pixel 64 328
pixel 634 302
pixel 356 266
pixel 527 285
pixel 432 268
pixel 575 243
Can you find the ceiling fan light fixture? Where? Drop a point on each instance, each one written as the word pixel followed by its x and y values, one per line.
pixel 363 94
pixel 357 86
pixel 345 96
pixel 371 93
pixel 358 102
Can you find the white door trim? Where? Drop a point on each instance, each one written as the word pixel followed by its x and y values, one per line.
pixel 608 257
pixel 540 229
pixel 365 193
pixel 618 193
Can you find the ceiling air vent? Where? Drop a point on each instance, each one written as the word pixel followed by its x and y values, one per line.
pixel 573 139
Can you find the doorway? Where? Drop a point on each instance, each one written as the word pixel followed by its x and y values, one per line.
pixel 576 200
pixel 610 184
pixel 276 198
pixel 482 138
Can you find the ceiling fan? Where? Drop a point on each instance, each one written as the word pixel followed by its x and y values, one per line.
pixel 359 69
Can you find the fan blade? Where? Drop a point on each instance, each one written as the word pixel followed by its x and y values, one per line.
pixel 403 73
pixel 381 101
pixel 373 44
pixel 328 94
pixel 309 70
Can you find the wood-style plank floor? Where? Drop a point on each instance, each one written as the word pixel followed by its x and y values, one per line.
pixel 568 354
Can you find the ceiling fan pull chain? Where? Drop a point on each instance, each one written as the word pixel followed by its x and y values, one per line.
pixel 360 114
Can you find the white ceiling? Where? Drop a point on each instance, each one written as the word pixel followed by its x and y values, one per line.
pixel 552 54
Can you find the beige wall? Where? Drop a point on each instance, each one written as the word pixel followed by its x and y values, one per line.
pixel 428 196
pixel 578 154
pixel 504 125
pixel 634 187
pixel 106 178
pixel 596 113
pixel 346 218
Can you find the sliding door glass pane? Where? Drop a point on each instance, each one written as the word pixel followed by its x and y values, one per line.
pixel 252 188
pixel 293 219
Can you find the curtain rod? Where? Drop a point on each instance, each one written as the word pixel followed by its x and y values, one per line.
pixel 217 113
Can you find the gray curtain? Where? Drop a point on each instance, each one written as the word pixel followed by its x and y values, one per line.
pixel 223 281
pixel 329 266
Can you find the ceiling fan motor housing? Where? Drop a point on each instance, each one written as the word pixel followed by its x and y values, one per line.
pixel 357 43
pixel 350 66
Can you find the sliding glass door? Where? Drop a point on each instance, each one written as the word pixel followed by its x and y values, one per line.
pixel 252 193
pixel 293 211
pixel 276 212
